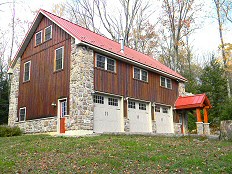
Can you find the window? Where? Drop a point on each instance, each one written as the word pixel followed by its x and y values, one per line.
pixel 105 63
pixel 27 67
pixel 165 82
pixel 165 110
pixel 113 101
pixel 59 56
pixel 98 99
pixel 38 38
pixel 157 108
pixel 22 114
pixel 140 74
pixel 63 105
pixel 48 33
pixel 142 106
pixel 131 104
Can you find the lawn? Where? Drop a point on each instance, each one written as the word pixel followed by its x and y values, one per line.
pixel 114 154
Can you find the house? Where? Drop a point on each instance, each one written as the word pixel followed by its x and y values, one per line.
pixel 65 77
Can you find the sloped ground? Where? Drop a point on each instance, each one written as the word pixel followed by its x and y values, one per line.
pixel 114 154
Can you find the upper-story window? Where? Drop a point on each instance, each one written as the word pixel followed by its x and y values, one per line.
pixel 165 82
pixel 27 68
pixel 140 74
pixel 48 33
pixel 22 114
pixel 59 58
pixel 38 38
pixel 105 63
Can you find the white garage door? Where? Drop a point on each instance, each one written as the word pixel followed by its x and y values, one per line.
pixel 107 114
pixel 164 119
pixel 139 117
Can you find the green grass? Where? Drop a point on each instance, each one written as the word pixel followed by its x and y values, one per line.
pixel 113 154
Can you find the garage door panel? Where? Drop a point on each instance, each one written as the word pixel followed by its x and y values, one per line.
pixel 140 120
pixel 107 116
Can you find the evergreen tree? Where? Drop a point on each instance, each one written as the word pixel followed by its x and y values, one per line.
pixel 214 84
pixel 4 100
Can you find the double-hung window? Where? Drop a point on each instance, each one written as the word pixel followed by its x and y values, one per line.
pixel 22 114
pixel 63 105
pixel 38 38
pixel 59 58
pixel 48 33
pixel 140 74
pixel 105 63
pixel 27 68
pixel 165 82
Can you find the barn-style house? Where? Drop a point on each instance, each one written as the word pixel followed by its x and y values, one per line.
pixel 65 77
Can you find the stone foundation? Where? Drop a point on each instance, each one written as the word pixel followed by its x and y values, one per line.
pixel 199 128
pixel 154 129
pixel 126 125
pixel 81 89
pixel 206 129
pixel 226 130
pixel 38 125
pixel 177 128
pixel 14 90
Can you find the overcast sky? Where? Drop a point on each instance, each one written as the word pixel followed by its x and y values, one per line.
pixel 205 40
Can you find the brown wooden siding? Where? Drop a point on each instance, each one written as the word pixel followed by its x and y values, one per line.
pixel 122 83
pixel 45 85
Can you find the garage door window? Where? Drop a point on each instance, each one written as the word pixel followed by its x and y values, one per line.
pixel 113 101
pixel 142 106
pixel 98 99
pixel 157 108
pixel 131 104
pixel 165 110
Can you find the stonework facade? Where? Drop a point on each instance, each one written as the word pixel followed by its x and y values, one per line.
pixel 126 125
pixel 181 89
pixel 177 128
pixel 81 89
pixel 14 92
pixel 154 129
pixel 38 125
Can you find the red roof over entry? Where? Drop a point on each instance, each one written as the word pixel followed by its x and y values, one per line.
pixel 191 102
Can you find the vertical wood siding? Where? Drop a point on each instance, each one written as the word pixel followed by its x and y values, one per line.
pixel 45 85
pixel 122 83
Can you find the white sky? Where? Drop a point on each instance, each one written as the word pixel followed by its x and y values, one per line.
pixel 204 40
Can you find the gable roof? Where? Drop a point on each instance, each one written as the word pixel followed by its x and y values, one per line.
pixel 87 37
pixel 191 102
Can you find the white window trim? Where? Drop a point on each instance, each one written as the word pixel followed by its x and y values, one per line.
pixel 29 71
pixel 106 59
pixel 41 39
pixel 45 32
pixel 140 74
pixel 62 58
pixel 166 84
pixel 25 114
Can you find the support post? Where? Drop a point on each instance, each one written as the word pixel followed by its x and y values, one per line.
pixel 198 111
pixel 205 115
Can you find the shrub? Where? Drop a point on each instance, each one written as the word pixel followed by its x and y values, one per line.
pixel 227 110
pixel 6 131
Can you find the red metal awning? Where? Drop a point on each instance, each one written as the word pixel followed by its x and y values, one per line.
pixel 192 102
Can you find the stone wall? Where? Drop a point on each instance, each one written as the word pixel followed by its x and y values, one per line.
pixel 177 128
pixel 81 88
pixel 38 125
pixel 226 130
pixel 154 126
pixel 14 90
pixel 126 124
pixel 181 89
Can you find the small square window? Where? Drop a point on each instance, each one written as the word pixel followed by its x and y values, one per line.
pixel 165 82
pixel 131 104
pixel 22 114
pixel 59 56
pixel 169 83
pixel 157 108
pixel 113 101
pixel 100 61
pixel 142 106
pixel 144 75
pixel 165 110
pixel 98 99
pixel 162 81
pixel 38 38
pixel 136 73
pixel 110 65
pixel 27 67
pixel 48 33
